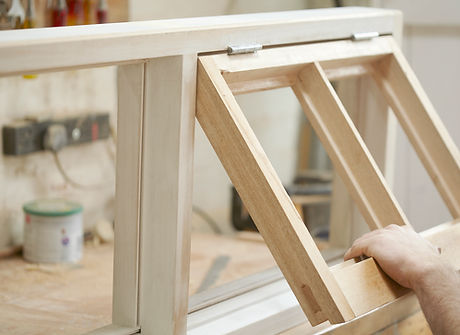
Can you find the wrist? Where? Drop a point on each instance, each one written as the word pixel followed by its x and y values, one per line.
pixel 431 275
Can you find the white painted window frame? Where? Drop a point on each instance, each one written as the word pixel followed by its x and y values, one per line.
pixel 156 92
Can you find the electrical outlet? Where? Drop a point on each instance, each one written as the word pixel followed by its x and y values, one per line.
pixel 26 136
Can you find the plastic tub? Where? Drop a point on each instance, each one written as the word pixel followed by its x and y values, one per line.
pixel 53 231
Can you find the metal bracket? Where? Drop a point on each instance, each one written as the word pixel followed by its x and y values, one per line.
pixel 243 49
pixel 364 36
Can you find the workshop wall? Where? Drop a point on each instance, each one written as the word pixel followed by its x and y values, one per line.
pixel 273 115
pixel 36 175
pixel 32 176
pixel 75 92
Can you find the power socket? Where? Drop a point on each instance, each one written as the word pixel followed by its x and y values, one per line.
pixel 27 136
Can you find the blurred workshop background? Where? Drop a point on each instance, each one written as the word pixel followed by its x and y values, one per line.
pixel 431 43
pixel 59 133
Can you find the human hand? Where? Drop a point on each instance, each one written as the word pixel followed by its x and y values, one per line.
pixel 402 254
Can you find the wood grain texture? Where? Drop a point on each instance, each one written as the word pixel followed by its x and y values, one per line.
pixel 69 299
pixel 166 194
pixel 127 194
pixel 115 330
pixel 415 324
pixel 29 51
pixel 366 286
pixel 422 125
pixel 379 301
pixel 346 149
pixel 369 323
pixel 266 199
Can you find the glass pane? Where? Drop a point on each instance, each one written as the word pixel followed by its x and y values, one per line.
pixel 225 243
pixel 38 296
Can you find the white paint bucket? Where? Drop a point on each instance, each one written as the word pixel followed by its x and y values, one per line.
pixel 53 231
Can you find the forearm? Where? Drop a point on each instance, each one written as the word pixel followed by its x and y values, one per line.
pixel 439 295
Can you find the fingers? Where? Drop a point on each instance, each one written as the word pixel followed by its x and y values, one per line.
pixel 369 243
pixel 362 246
pixel 354 251
pixel 366 243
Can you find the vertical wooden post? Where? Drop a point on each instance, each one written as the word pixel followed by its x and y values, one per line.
pixel 166 192
pixel 127 200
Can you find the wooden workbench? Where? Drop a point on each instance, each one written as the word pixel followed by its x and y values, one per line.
pixel 74 299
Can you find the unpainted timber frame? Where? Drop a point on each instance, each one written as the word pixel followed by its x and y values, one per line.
pixel 152 256
pixel 323 294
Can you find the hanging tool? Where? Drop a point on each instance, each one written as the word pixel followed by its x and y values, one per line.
pixel 87 11
pixel 75 12
pixel 16 15
pixel 59 16
pixel 29 21
pixel 4 23
pixel 102 11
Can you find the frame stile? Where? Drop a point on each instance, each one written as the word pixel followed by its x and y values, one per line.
pixel 422 125
pixel 346 149
pixel 166 194
pixel 127 202
pixel 267 201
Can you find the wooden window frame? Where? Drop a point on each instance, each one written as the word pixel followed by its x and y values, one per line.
pixel 149 54
pixel 323 293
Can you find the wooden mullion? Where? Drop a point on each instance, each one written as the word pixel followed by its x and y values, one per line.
pixel 266 199
pixel 422 125
pixel 127 196
pixel 347 149
pixel 166 194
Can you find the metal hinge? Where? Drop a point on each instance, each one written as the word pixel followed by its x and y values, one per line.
pixel 364 36
pixel 243 49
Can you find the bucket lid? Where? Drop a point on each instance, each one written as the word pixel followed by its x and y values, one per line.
pixel 52 207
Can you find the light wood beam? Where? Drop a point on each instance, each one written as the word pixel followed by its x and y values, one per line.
pixel 130 81
pixel 166 193
pixel 28 51
pixel 346 149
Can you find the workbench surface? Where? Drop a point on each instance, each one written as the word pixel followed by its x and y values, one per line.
pixel 73 299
